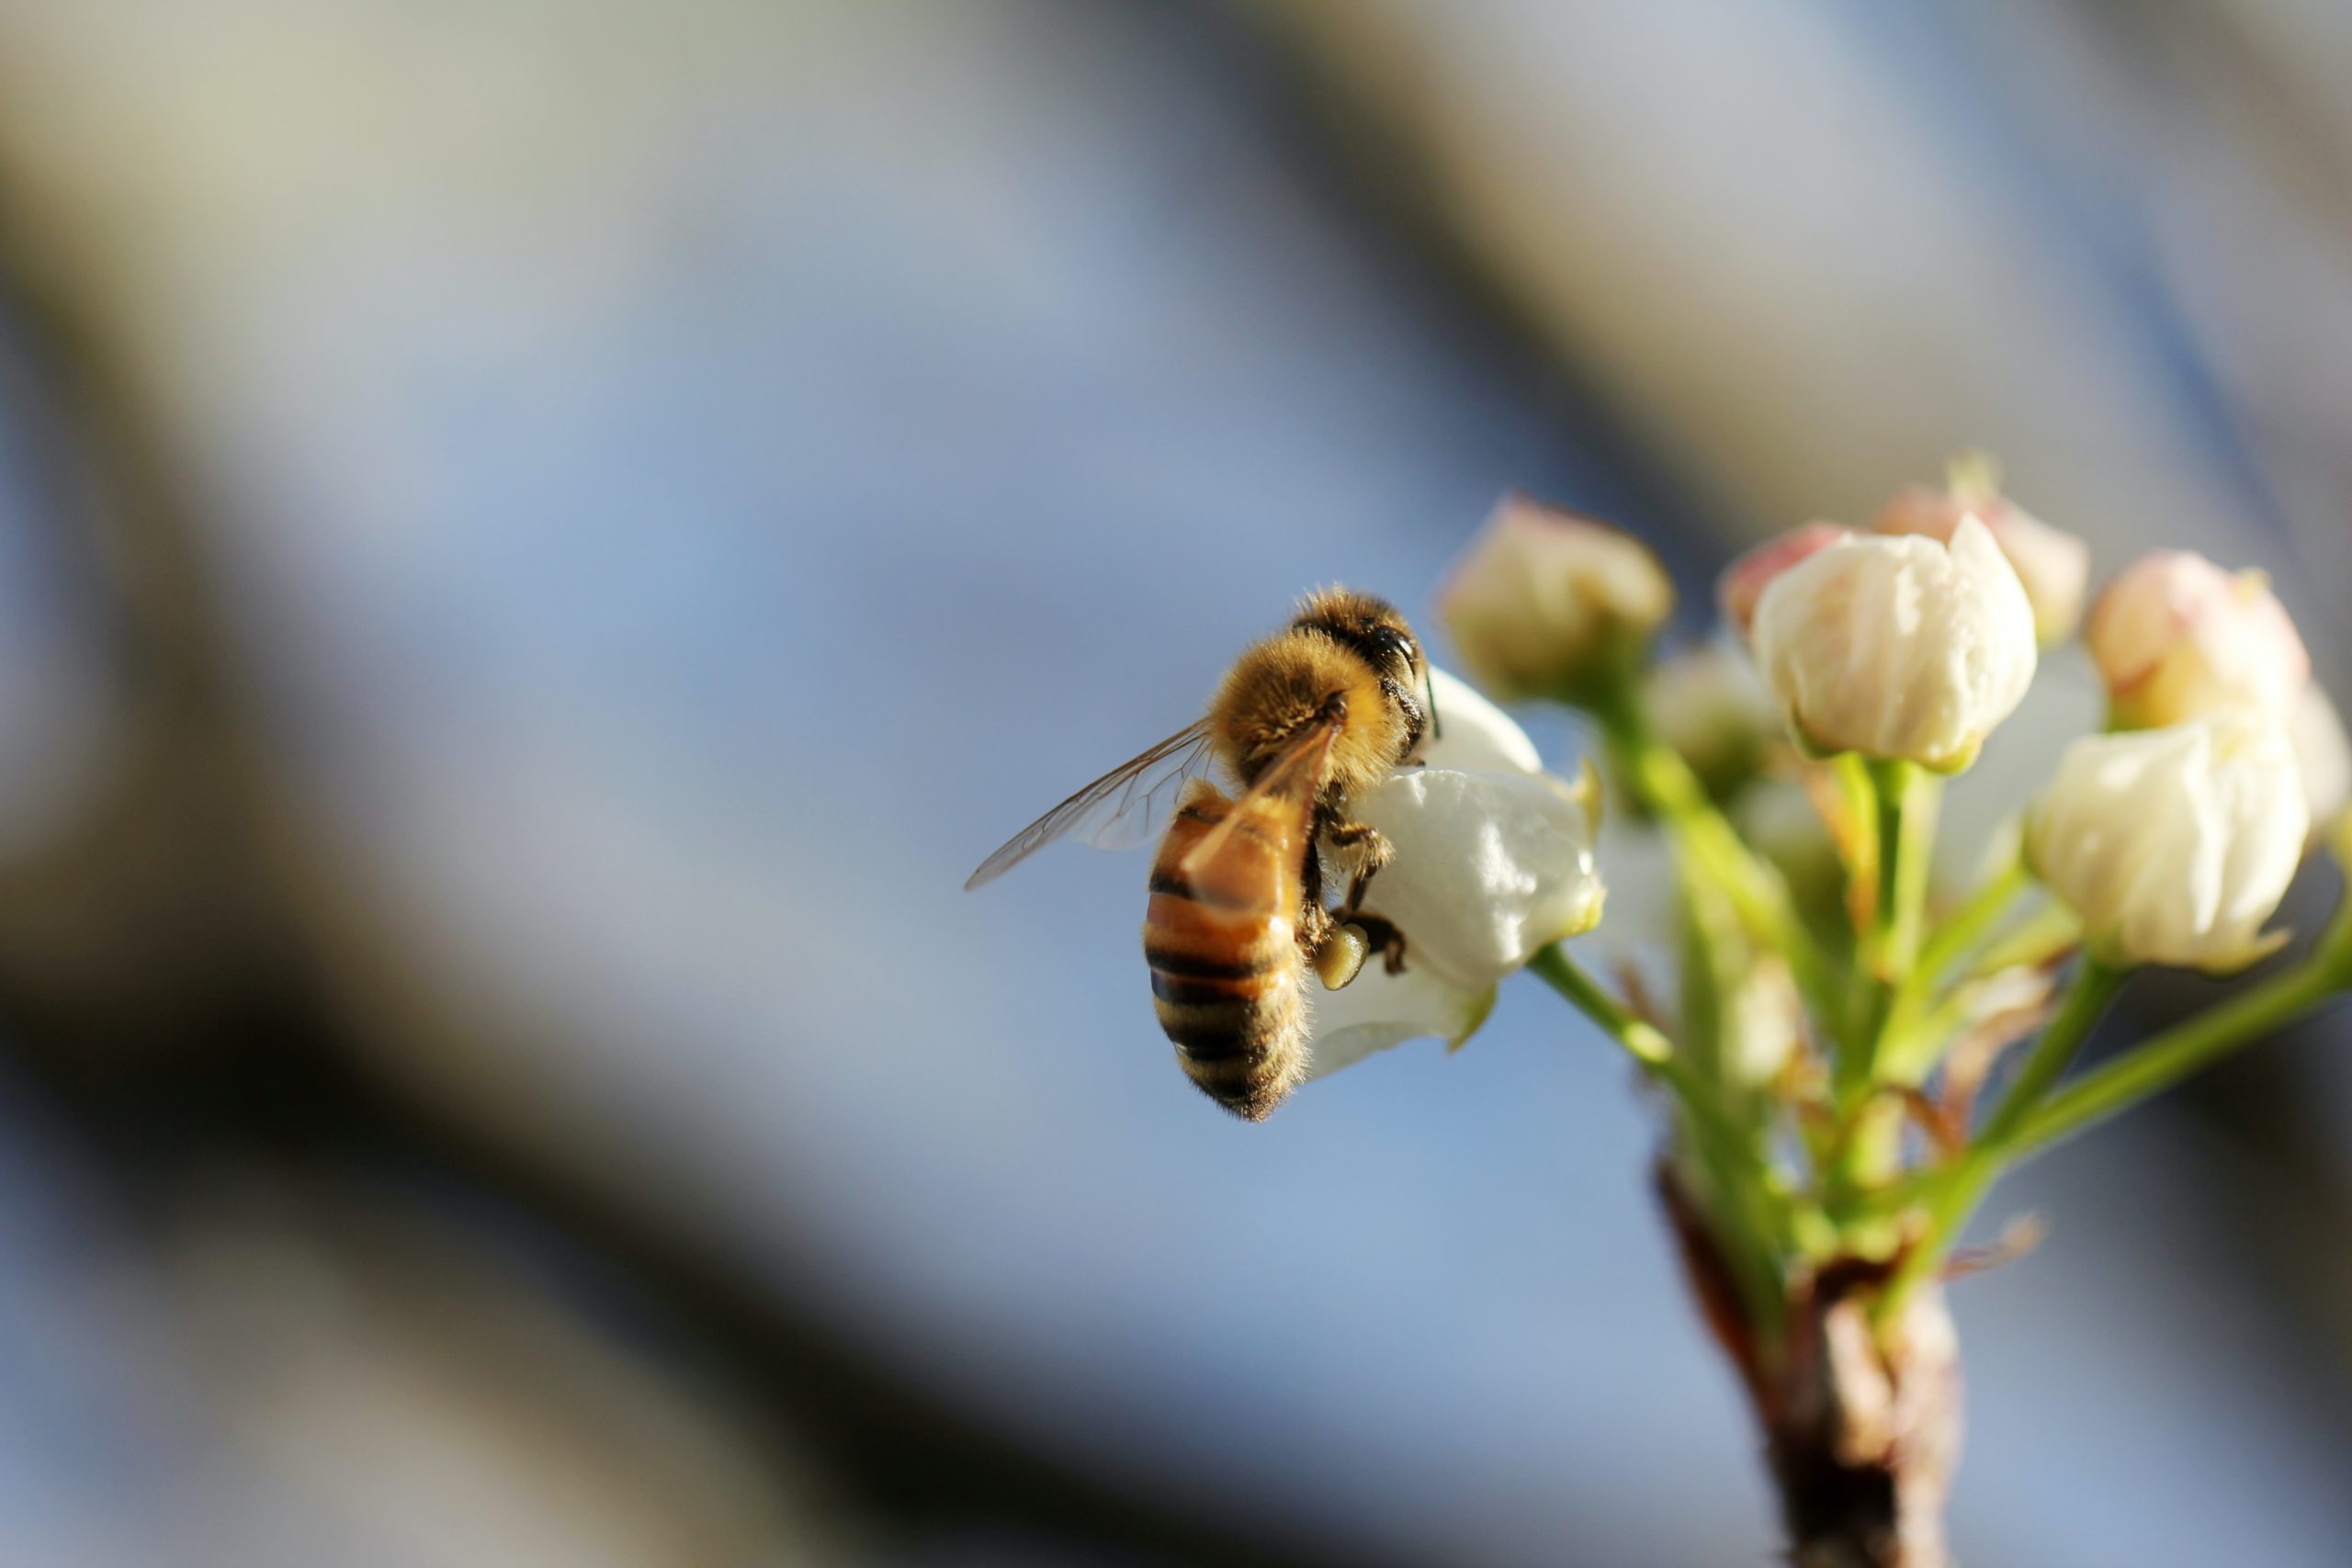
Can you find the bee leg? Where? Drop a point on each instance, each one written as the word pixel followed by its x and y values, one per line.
pixel 1315 923
pixel 1363 844
pixel 1383 938
pixel 1365 847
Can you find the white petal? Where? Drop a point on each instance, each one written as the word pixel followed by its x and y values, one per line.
pixel 1377 1010
pixel 2325 755
pixel 1490 866
pixel 2174 845
pixel 1473 732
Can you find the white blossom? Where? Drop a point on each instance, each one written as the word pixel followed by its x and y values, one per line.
pixel 2174 845
pixel 1898 648
pixel 1493 862
pixel 1490 866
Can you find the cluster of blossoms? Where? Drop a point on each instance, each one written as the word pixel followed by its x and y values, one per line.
pixel 2171 837
pixel 1841 1021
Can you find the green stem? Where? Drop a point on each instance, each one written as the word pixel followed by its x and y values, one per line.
pixel 1906 797
pixel 2093 988
pixel 1918 1031
pixel 1957 935
pixel 1641 1040
pixel 1960 1193
pixel 2188 1047
pixel 1668 789
pixel 1910 799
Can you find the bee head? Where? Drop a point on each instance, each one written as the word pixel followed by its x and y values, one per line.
pixel 1374 630
pixel 1369 627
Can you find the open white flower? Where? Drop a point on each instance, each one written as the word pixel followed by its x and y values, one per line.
pixel 1898 648
pixel 2174 845
pixel 1491 866
pixel 1494 862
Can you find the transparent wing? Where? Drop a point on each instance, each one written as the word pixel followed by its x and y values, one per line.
pixel 1293 779
pixel 1123 808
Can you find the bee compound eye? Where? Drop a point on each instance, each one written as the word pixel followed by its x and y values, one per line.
pixel 1391 643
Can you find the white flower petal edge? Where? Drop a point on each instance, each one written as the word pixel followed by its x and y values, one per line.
pixel 2174 845
pixel 1491 866
pixel 1377 1010
pixel 1473 732
pixel 2325 756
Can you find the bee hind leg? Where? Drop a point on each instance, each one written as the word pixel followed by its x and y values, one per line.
pixel 1383 938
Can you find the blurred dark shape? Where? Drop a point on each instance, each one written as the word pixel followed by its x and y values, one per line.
pixel 159 997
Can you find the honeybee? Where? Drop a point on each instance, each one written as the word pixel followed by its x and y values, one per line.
pixel 1304 720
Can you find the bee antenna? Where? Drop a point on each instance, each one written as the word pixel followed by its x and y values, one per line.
pixel 1428 685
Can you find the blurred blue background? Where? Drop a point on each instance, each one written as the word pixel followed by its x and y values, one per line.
pixel 540 541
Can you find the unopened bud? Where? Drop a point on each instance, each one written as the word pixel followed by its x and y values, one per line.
pixel 2176 636
pixel 1898 648
pixel 1744 582
pixel 1709 705
pixel 2053 567
pixel 1546 603
pixel 2174 845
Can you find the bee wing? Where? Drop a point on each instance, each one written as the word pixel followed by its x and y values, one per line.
pixel 1294 779
pixel 1121 809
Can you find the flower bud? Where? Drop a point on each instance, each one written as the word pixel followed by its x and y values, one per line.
pixel 1898 648
pixel 2053 567
pixel 1708 704
pixel 1744 582
pixel 1546 603
pixel 2174 845
pixel 2176 636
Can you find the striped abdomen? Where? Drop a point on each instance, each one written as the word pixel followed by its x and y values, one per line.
pixel 1227 973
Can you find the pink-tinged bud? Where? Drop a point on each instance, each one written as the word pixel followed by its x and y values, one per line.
pixel 1744 582
pixel 2053 567
pixel 2175 637
pixel 1547 603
